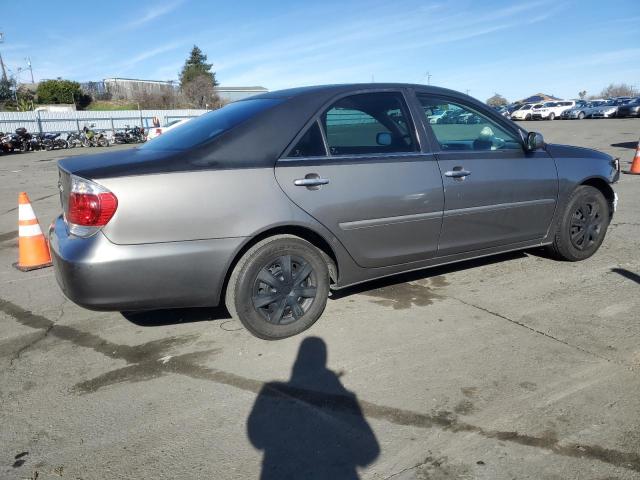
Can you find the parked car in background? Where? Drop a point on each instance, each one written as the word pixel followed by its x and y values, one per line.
pixel 582 111
pixel 524 112
pixel 254 204
pixel 630 109
pixel 608 109
pixel 552 110
pixel 153 132
pixel 504 111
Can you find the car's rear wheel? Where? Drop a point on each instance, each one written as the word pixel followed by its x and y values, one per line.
pixel 582 227
pixel 279 287
pixel 552 116
pixel 528 117
pixel 581 116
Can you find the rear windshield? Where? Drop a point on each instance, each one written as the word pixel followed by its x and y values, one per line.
pixel 206 127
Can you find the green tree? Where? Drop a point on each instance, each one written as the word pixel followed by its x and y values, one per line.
pixel 25 99
pixel 6 90
pixel 195 66
pixel 59 91
pixel 582 94
pixel 497 101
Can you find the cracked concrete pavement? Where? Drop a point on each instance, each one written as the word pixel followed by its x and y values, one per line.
pixel 515 366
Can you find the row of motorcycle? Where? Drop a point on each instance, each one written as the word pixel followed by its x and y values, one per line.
pixel 24 141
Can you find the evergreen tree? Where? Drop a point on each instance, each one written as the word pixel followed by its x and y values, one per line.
pixel 196 66
pixel 6 90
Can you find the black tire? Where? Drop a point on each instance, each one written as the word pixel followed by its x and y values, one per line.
pixel 271 260
pixel 528 117
pixel 581 228
pixel 581 116
pixel 552 116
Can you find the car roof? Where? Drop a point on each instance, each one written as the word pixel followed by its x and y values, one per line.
pixel 334 89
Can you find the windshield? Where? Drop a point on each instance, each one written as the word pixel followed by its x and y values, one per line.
pixel 550 104
pixel 208 126
pixel 525 107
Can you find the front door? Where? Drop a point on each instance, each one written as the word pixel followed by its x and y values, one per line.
pixel 358 170
pixel 496 194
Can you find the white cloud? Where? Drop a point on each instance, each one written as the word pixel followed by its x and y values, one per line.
pixel 153 12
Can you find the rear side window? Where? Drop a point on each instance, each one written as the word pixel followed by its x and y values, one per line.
pixel 458 127
pixel 206 127
pixel 371 123
pixel 310 144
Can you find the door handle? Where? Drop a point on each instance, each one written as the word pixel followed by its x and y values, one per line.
pixel 310 181
pixel 457 172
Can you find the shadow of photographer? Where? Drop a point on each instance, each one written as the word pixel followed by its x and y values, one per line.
pixel 311 427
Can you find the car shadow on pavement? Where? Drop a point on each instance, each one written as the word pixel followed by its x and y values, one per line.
pixel 311 427
pixel 631 145
pixel 173 316
pixel 634 277
pixel 428 273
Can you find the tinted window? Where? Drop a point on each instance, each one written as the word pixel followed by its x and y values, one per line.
pixel 463 128
pixel 310 144
pixel 206 127
pixel 371 123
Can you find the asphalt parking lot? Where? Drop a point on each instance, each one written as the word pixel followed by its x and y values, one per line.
pixel 512 367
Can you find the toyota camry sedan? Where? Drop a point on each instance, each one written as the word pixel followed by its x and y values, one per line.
pixel 267 204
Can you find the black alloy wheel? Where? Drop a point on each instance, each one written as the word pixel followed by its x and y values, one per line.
pixel 582 226
pixel 284 289
pixel 586 224
pixel 279 287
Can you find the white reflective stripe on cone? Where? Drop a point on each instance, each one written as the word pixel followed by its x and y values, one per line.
pixel 29 230
pixel 25 212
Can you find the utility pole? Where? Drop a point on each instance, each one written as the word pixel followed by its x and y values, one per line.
pixel 28 59
pixel 428 75
pixel 467 91
pixel 4 70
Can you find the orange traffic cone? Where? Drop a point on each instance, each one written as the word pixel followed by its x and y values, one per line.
pixel 32 246
pixel 635 165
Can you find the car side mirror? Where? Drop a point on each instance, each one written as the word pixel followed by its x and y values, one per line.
pixel 383 138
pixel 535 141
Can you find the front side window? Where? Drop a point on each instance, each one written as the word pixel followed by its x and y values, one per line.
pixel 371 123
pixel 463 128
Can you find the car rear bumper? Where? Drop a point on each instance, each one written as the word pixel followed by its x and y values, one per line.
pixel 100 275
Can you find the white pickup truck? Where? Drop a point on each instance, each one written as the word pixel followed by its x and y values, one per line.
pixel 552 110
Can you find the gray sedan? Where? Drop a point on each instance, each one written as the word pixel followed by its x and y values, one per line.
pixel 270 202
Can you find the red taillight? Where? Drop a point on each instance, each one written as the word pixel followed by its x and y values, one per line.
pixel 89 207
pixel 158 131
pixel 91 210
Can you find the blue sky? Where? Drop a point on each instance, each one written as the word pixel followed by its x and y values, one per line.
pixel 515 48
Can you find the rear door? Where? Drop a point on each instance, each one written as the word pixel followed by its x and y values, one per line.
pixel 357 169
pixel 496 194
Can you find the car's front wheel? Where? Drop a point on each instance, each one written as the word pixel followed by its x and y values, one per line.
pixel 279 287
pixel 552 116
pixel 583 224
